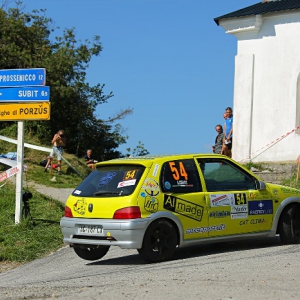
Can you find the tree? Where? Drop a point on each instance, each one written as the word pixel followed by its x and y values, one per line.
pixel 139 150
pixel 25 40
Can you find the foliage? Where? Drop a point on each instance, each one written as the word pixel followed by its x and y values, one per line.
pixel 292 182
pixel 258 166
pixel 253 165
pixel 26 42
pixel 139 150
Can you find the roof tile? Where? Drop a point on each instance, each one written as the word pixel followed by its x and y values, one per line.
pixel 262 8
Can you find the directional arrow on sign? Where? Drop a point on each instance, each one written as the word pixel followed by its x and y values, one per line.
pixel 21 94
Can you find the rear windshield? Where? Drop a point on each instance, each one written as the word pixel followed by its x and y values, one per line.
pixel 110 181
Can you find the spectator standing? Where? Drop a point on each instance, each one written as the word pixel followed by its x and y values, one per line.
pixel 58 142
pixel 218 147
pixel 89 159
pixel 228 130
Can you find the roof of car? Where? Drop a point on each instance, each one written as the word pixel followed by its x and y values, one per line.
pixel 152 157
pixel 159 156
pixel 262 8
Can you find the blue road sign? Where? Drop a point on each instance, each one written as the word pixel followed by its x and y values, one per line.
pixel 22 77
pixel 21 94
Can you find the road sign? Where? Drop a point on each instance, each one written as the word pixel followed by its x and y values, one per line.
pixel 26 111
pixel 22 77
pixel 20 94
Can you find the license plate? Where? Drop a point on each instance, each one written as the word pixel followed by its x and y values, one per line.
pixel 90 229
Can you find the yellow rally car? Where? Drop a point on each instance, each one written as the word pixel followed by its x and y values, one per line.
pixel 156 204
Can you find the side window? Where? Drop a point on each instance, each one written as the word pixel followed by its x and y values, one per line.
pixel 180 176
pixel 221 175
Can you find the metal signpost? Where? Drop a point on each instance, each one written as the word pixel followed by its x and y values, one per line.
pixel 23 96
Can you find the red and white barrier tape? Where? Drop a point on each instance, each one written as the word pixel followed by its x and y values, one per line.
pixel 266 147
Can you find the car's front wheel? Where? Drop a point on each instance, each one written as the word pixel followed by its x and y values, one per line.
pixel 160 241
pixel 289 225
pixel 90 253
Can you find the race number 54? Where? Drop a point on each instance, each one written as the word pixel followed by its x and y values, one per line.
pixel 178 171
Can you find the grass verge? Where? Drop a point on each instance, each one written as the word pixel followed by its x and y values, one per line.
pixel 29 239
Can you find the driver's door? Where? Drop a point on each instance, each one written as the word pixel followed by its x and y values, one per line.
pixel 233 200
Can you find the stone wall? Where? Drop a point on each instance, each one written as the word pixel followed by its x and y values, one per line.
pixel 275 173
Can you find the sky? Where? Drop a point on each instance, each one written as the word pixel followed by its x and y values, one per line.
pixel 166 59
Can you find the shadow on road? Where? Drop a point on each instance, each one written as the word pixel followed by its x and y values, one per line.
pixel 226 247
pixel 197 251
pixel 133 259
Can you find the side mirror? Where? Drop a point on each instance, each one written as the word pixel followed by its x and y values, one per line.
pixel 261 185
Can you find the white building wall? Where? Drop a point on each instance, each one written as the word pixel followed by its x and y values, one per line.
pixel 266 87
pixel 243 105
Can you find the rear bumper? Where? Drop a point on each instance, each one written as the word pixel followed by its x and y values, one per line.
pixel 127 234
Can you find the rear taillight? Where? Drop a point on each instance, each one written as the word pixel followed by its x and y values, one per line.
pixel 132 212
pixel 68 212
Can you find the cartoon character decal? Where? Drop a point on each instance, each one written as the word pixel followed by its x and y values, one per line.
pixel 80 206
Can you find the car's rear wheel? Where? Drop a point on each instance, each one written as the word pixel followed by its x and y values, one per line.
pixel 160 241
pixel 90 252
pixel 289 225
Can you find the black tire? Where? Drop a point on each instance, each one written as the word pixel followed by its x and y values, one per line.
pixel 160 242
pixel 289 225
pixel 91 253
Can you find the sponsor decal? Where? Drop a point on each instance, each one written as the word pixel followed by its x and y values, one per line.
pixel 205 229
pixel 126 183
pixel 240 199
pixel 183 207
pixel 251 196
pixel 167 185
pixel 77 192
pixel 182 183
pixel 221 200
pixel 239 211
pixel 239 216
pixel 253 222
pixel 80 206
pixel 261 207
pixel 151 187
pixel 219 214
pixel 106 178
pixel 155 170
pixel 276 194
pixel 287 190
pixel 129 175
pixel 151 204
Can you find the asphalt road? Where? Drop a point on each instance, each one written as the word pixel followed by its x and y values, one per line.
pixel 256 269
pixel 60 194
